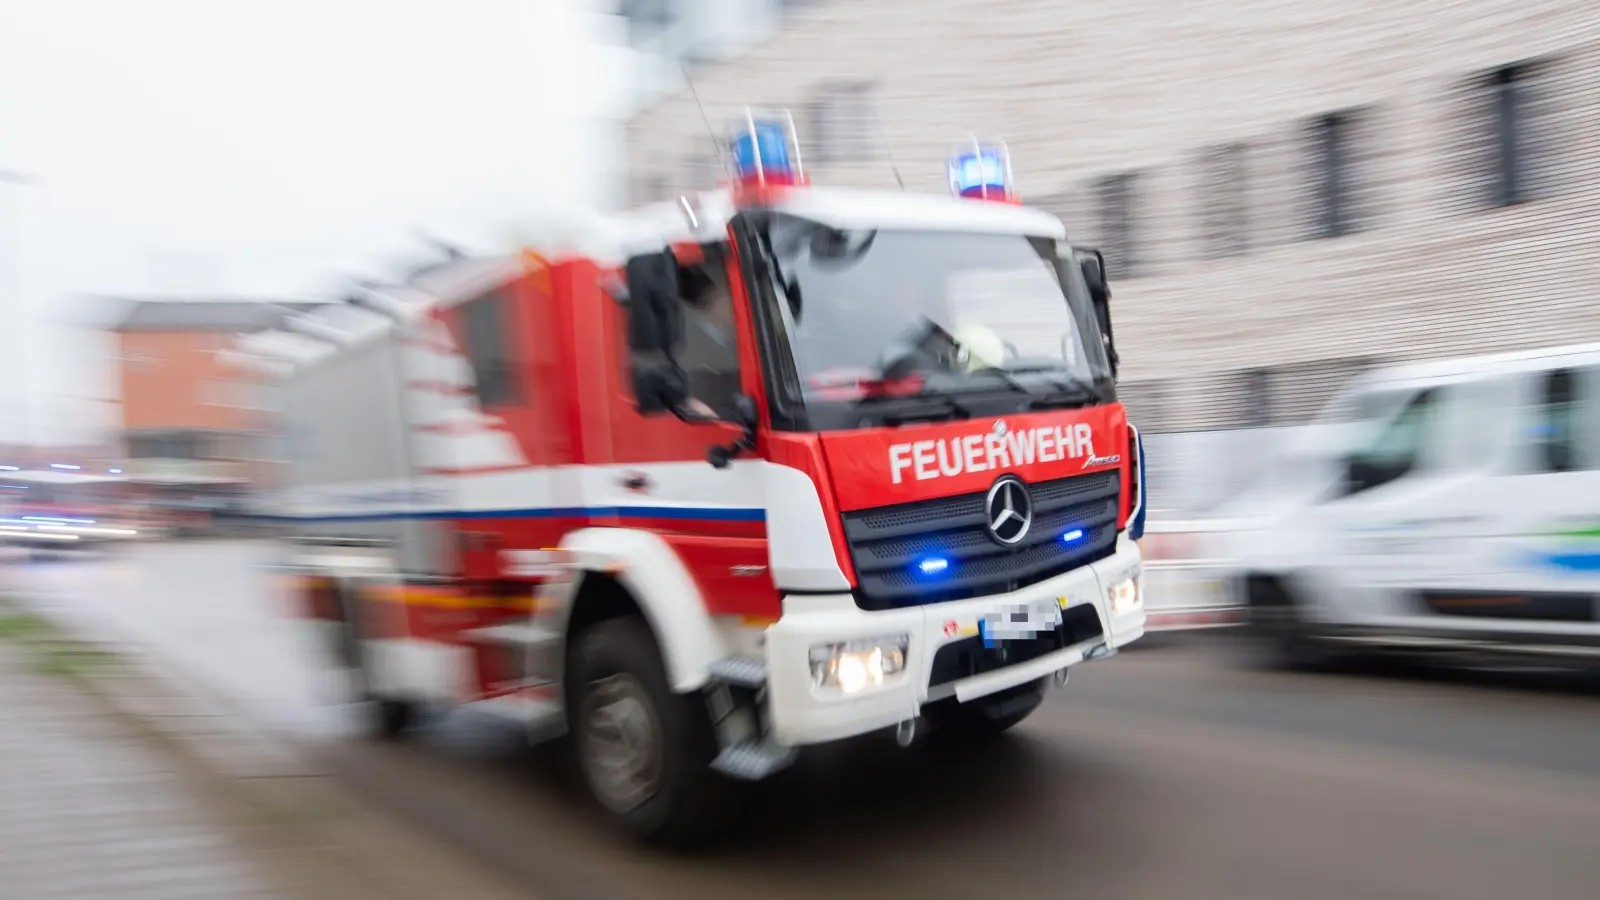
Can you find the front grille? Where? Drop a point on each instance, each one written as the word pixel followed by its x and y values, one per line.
pixel 888 543
pixel 968 656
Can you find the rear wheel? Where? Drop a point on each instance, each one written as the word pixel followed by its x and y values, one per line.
pixel 644 751
pixel 986 718
pixel 384 717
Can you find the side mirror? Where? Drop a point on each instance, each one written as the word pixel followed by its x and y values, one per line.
pixel 1092 263
pixel 1358 475
pixel 655 316
pixel 655 329
pixel 746 416
pixel 659 386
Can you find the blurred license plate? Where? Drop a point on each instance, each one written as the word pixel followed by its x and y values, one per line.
pixel 1020 622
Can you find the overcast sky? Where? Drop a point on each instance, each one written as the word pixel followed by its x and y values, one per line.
pixel 221 147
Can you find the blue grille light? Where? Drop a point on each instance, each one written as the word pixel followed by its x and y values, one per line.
pixel 1075 534
pixel 1142 499
pixel 933 565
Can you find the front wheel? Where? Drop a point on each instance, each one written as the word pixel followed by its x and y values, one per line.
pixel 988 717
pixel 1276 633
pixel 644 751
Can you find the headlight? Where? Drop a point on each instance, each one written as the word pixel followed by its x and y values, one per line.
pixel 1124 595
pixel 855 666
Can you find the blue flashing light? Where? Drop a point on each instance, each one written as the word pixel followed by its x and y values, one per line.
pixel 10 468
pixel 1075 534
pixel 980 173
pixel 1136 526
pixel 933 565
pixel 14 487
pixel 761 154
pixel 114 471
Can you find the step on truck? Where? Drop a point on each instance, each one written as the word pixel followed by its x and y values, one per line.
pixel 706 483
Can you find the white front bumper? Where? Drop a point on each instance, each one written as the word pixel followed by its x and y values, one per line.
pixel 804 714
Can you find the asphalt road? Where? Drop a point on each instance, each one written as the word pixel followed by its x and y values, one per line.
pixel 1165 773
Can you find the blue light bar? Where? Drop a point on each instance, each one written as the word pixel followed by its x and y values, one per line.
pixel 761 153
pixel 1075 534
pixel 983 173
pixel 933 565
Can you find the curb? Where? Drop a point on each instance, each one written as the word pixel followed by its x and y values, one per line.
pixel 317 838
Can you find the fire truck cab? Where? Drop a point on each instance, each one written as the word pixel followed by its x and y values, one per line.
pixel 707 483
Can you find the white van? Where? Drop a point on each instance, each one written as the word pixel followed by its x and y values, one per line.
pixel 1446 506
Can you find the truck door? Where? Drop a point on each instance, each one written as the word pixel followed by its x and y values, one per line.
pixel 492 438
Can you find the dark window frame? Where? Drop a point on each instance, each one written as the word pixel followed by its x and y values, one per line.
pixel 709 279
pixel 837 121
pixel 1572 451
pixel 1225 199
pixel 491 349
pixel 1509 120
pixel 1364 474
pixel 1334 187
pixel 1114 212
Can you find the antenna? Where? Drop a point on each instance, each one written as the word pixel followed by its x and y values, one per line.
pixel 883 134
pixel 716 145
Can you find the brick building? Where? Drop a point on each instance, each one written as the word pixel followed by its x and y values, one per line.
pixel 1286 189
pixel 187 416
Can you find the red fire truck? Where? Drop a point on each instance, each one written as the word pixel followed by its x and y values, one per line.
pixel 710 482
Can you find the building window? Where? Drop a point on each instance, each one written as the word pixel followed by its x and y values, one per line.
pixel 489 345
pixel 842 123
pixel 1223 209
pixel 1509 109
pixel 1114 197
pixel 1333 175
pixel 166 445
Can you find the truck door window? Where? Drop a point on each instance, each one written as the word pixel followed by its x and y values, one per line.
pixel 1398 448
pixel 710 351
pixel 489 344
pixel 1560 430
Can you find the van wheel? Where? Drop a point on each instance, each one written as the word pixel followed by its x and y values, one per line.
pixel 644 751
pixel 1276 633
pixel 986 718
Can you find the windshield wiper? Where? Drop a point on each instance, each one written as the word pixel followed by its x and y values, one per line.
pixel 916 408
pixel 1071 391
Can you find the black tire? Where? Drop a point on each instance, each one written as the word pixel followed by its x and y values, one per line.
pixel 986 718
pixel 391 718
pixel 681 802
pixel 385 718
pixel 1276 635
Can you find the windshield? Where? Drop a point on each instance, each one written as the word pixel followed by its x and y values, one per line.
pixel 872 316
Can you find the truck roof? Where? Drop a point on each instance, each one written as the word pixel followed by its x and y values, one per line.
pixel 612 239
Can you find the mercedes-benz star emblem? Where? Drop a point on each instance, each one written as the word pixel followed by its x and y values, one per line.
pixel 1008 510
